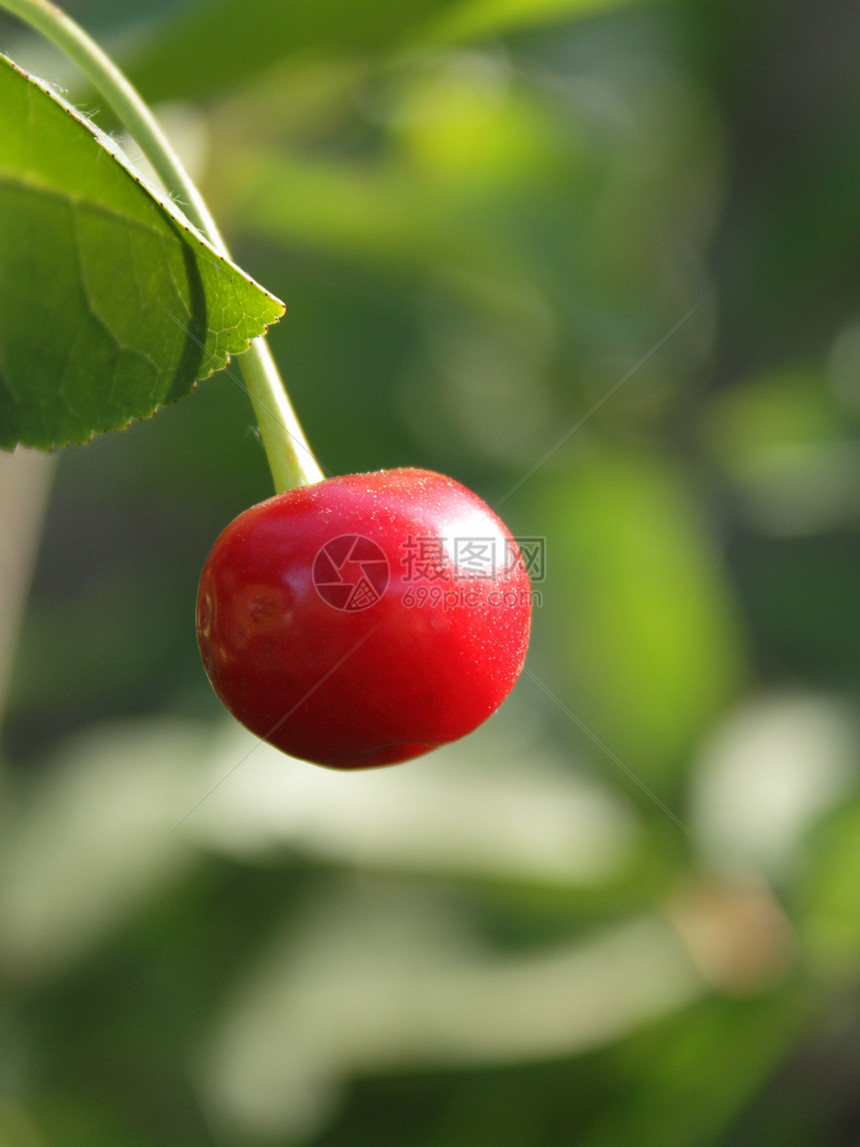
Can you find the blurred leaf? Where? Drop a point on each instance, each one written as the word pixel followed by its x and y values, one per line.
pixel 249 36
pixel 379 217
pixel 829 923
pixel 470 126
pixel 67 1119
pixel 110 303
pixel 766 774
pixel 689 1077
pixel 535 826
pixel 649 635
pixel 120 635
pixel 800 596
pixel 468 155
pixel 780 409
pixel 783 441
pixel 86 847
pixel 16 1126
pixel 488 17
pixel 382 978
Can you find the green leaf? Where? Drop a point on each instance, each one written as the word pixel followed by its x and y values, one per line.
pixel 111 304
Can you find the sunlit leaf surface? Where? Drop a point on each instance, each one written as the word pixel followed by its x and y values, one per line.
pixel 110 303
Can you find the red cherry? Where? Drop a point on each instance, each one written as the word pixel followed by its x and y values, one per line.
pixel 364 619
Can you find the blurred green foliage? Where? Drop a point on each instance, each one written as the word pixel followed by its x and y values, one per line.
pixel 600 262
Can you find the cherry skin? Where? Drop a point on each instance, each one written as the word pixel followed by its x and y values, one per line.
pixel 365 619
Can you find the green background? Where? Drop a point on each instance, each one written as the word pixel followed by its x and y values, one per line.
pixel 627 910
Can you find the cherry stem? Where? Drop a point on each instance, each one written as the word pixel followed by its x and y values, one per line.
pixel 289 455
